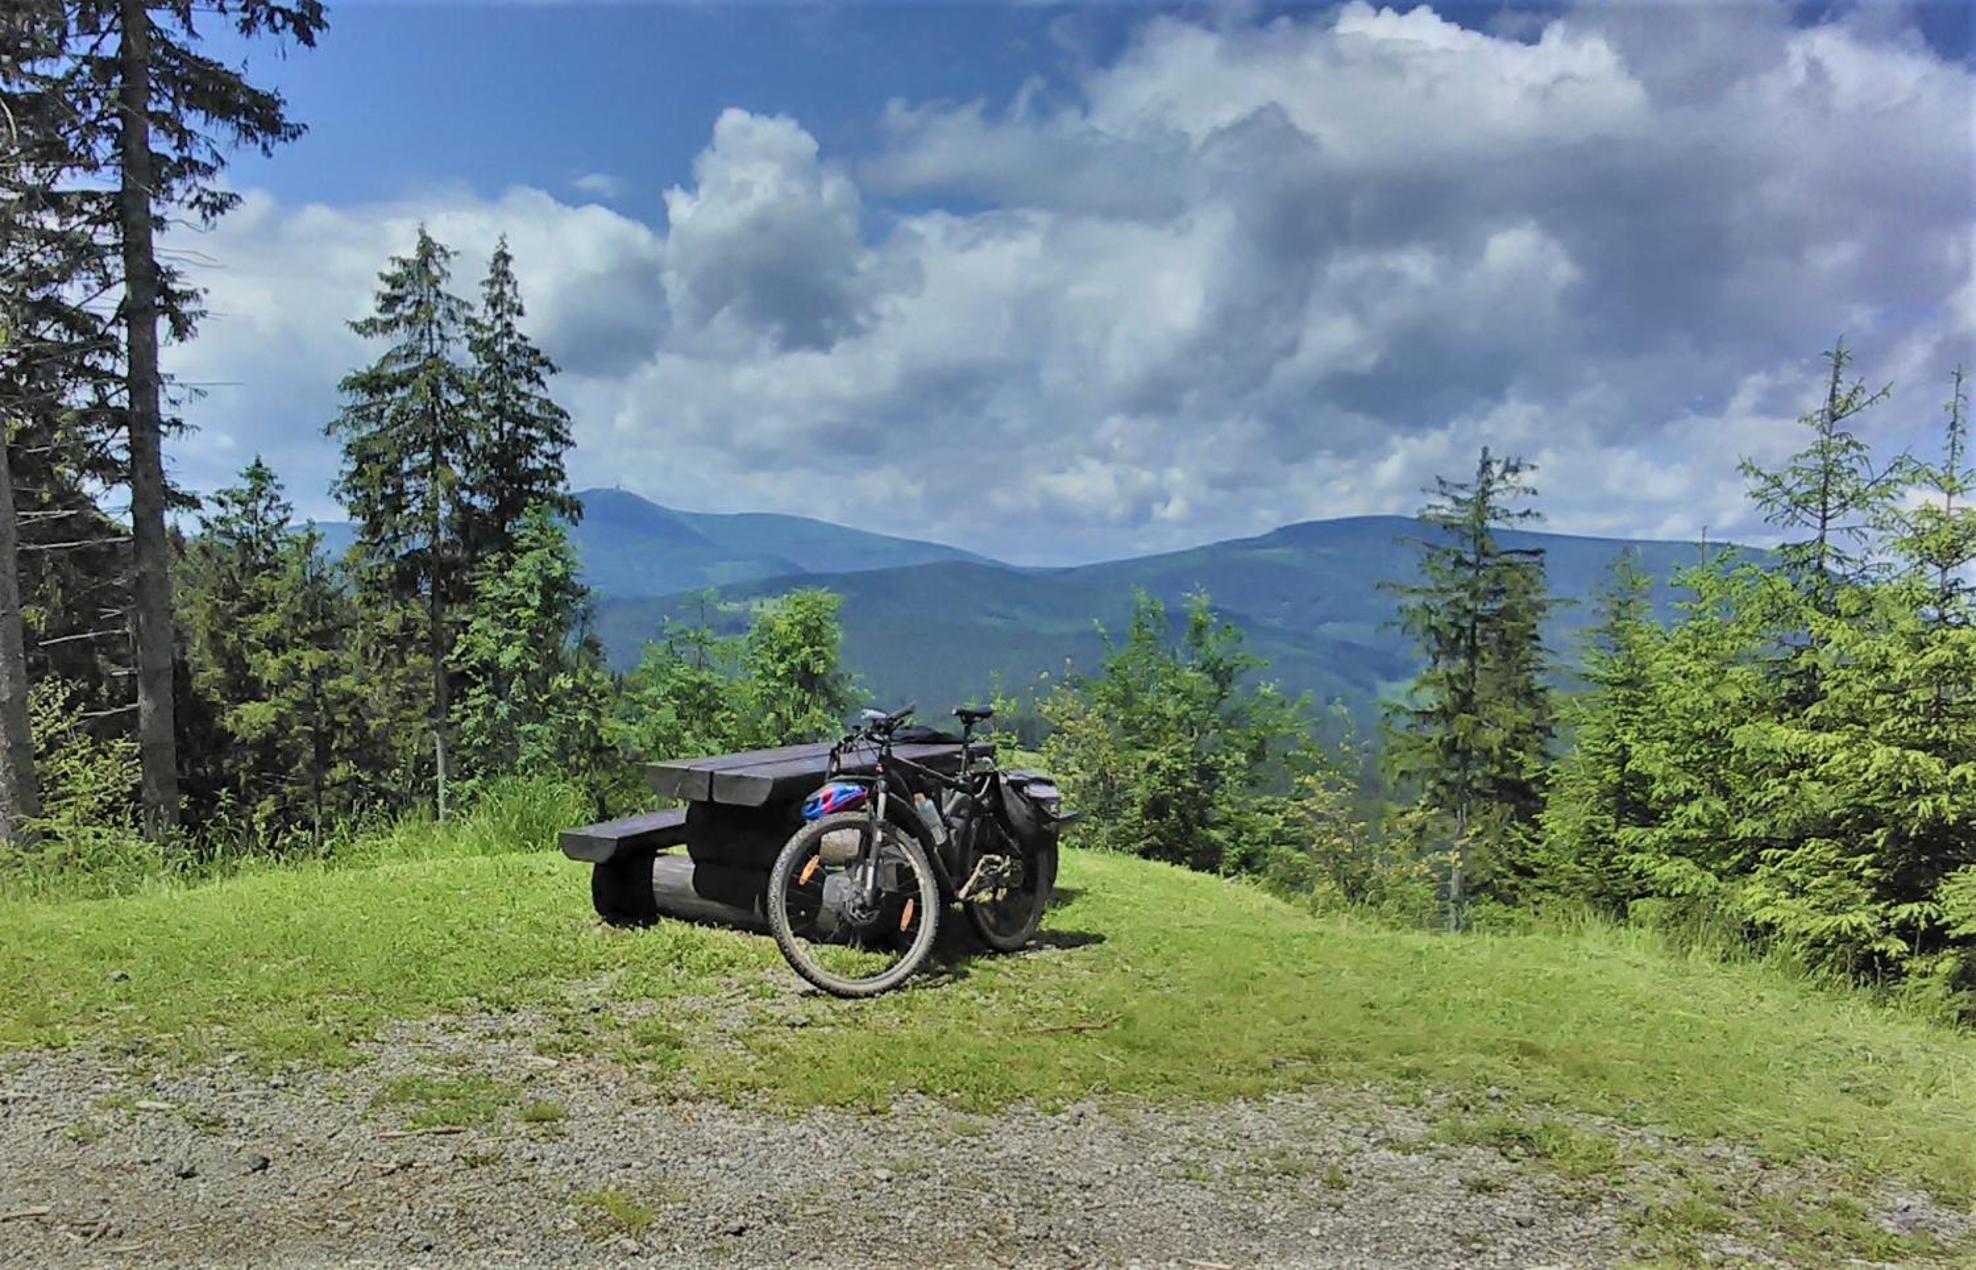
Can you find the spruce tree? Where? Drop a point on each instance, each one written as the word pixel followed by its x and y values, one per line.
pixel 1938 538
pixel 157 111
pixel 1829 496
pixel 520 434
pixel 1599 794
pixel 1473 735
pixel 1171 748
pixel 793 684
pixel 408 442
pixel 538 698
pixel 314 718
pixel 269 633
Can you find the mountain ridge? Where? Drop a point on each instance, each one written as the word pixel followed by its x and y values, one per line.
pixel 1310 598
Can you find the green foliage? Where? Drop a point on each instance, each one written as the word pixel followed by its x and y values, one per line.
pixel 407 432
pixel 86 839
pixel 1170 751
pixel 1828 497
pixel 406 429
pixel 1599 788
pixel 695 692
pixel 679 700
pixel 1473 733
pixel 1327 850
pixel 520 434
pixel 793 683
pixel 538 699
pixel 1795 759
pixel 269 631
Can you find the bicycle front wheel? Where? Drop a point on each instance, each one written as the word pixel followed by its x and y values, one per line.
pixel 823 920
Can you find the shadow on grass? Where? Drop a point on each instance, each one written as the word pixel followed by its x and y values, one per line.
pixel 957 951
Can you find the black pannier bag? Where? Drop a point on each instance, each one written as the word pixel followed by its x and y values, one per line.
pixel 1033 806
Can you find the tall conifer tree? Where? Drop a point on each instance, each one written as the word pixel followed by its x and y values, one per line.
pixel 1472 736
pixel 521 434
pixel 408 444
pixel 1830 495
pixel 157 111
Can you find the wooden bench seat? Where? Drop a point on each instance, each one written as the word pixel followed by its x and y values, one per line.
pixel 633 835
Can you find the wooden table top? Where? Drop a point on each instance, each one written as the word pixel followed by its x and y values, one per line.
pixel 759 777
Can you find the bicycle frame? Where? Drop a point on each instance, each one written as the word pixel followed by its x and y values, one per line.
pixel 891 771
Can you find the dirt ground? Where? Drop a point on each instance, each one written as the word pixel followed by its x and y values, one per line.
pixel 578 1161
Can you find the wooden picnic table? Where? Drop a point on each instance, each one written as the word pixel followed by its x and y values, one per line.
pixel 739 810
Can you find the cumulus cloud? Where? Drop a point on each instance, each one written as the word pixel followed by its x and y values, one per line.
pixel 765 253
pixel 1241 274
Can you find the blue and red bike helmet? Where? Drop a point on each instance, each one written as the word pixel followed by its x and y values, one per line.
pixel 835 797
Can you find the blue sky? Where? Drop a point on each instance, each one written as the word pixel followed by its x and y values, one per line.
pixel 1059 283
pixel 403 97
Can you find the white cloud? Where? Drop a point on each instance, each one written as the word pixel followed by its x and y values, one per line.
pixel 1250 273
pixel 599 185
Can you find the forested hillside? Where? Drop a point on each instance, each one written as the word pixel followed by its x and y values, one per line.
pixel 1308 596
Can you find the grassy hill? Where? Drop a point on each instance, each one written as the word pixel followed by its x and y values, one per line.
pixel 1308 595
pixel 1597 1054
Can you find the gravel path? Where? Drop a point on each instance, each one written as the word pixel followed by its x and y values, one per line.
pixel 578 1162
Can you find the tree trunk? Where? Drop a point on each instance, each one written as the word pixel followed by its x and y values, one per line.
pixel 442 706
pixel 152 594
pixel 20 790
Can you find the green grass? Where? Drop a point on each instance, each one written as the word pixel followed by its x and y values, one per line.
pixel 1157 984
pixel 432 1102
pixel 610 1212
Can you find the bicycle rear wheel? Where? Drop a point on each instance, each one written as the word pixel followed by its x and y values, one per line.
pixel 1007 918
pixel 821 922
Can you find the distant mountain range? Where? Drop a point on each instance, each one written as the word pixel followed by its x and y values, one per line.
pixel 633 548
pixel 937 625
pixel 949 626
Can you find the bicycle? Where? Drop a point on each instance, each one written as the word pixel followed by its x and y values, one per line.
pixel 856 896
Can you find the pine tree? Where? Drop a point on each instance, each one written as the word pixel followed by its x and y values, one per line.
pixel 269 642
pixel 1171 748
pixel 793 684
pixel 521 435
pixel 1830 493
pixel 1599 795
pixel 52 354
pixel 157 111
pixel 229 580
pixel 1938 538
pixel 538 697
pixel 1473 736
pixel 313 719
pixel 407 434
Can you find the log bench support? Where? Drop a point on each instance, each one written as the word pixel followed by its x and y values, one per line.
pixel 634 880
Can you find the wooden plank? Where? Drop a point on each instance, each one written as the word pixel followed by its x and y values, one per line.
pixel 602 843
pixel 691 779
pixel 759 784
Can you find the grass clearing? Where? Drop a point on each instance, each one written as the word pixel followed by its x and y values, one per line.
pixel 1154 983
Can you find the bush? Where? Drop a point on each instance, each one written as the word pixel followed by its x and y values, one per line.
pixel 86 841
